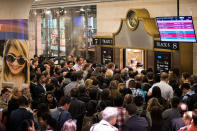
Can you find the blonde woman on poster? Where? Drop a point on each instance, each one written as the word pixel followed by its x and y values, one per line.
pixel 15 67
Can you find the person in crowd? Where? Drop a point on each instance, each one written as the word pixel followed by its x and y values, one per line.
pixel 78 64
pixel 16 65
pixel 27 125
pixel 20 114
pixel 91 116
pixel 64 67
pixel 86 69
pixel 77 108
pixel 121 116
pixel 109 117
pixel 13 101
pixel 82 94
pixel 34 63
pixel 178 122
pixel 132 86
pixel 88 83
pixel 110 70
pixel 69 125
pixel 51 100
pixel 131 77
pixel 187 92
pixel 134 122
pixel 166 89
pixel 128 99
pixel 104 100
pixel 26 92
pixel 114 92
pixel 187 118
pixel 156 93
pixel 153 102
pixel 70 58
pixel 185 77
pixel 61 114
pixel 193 125
pixel 139 102
pixel 158 123
pixel 133 65
pixel 57 71
pixel 48 122
pixel 41 90
pixel 75 78
pixel 172 112
pixel 5 93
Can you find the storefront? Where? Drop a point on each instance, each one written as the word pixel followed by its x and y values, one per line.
pixel 59 32
pixel 138 39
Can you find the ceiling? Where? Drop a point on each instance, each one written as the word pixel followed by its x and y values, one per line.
pixel 39 4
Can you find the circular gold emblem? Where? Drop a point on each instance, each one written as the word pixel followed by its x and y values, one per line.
pixel 132 20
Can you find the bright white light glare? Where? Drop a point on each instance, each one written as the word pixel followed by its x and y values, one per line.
pixel 65 12
pixel 48 12
pixel 82 9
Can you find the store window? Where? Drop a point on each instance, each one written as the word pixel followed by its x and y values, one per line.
pixel 64 31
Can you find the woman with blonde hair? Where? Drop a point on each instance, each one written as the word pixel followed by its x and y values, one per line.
pixel 153 102
pixel 15 67
pixel 88 83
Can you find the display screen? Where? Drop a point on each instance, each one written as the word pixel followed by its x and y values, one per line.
pixel 176 29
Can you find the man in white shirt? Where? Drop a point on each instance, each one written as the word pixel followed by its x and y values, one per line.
pixel 78 65
pixel 109 117
pixel 166 89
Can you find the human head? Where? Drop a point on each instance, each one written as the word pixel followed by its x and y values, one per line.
pixel 185 77
pixel 128 99
pixel 187 117
pixel 16 92
pixel 79 60
pixel 111 66
pixel 194 116
pixel 164 76
pixel 65 102
pixel 156 92
pixel 109 114
pixel 5 93
pixel 25 88
pixel 22 101
pixel 69 125
pixel 182 108
pixel 185 87
pixel 153 102
pixel 70 64
pixel 139 100
pixel 16 49
pixel 49 96
pixel 174 102
pixel 131 109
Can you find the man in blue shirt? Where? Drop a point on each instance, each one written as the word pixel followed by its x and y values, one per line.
pixel 61 114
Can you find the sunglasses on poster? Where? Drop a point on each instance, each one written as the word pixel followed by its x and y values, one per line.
pixel 11 58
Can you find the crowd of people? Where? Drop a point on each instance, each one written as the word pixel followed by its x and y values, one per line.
pixel 82 96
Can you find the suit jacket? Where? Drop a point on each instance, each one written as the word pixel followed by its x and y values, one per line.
pixel 135 123
pixel 17 116
pixel 40 90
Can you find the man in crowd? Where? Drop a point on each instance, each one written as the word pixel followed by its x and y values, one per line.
pixel 166 89
pixel 61 114
pixel 109 116
pixel 134 122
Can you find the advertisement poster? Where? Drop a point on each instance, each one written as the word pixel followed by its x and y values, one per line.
pixel 15 57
